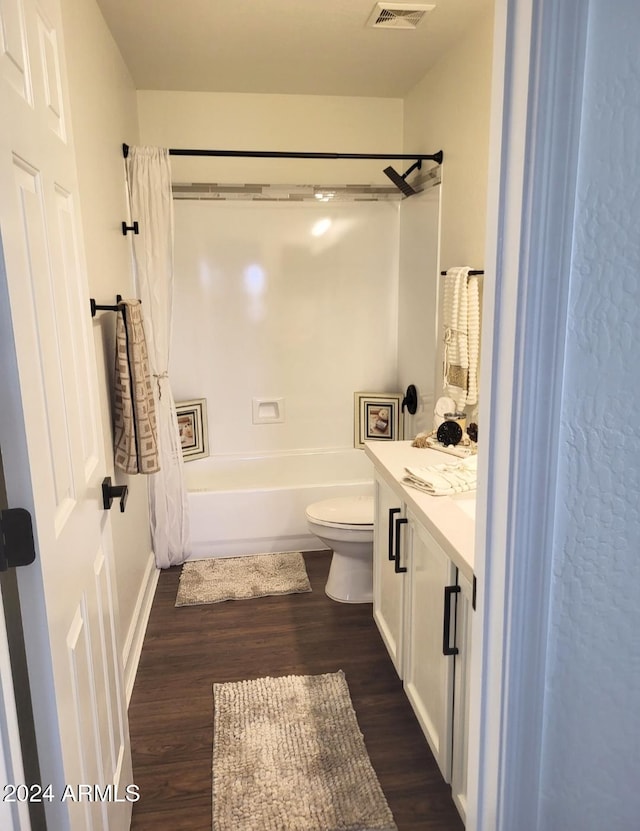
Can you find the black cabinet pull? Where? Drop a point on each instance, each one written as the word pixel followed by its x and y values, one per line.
pixel 446 628
pixel 392 511
pixel 399 523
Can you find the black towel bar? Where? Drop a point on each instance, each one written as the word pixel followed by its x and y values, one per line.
pixel 95 307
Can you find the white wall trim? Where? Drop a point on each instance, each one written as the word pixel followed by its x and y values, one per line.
pixel 536 124
pixel 135 636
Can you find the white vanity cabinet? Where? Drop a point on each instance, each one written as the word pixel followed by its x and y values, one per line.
pixel 423 607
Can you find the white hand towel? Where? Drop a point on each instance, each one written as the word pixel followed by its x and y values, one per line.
pixel 445 479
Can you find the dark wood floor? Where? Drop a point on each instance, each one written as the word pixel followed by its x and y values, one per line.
pixel 186 650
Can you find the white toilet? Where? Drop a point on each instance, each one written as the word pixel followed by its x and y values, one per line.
pixel 345 525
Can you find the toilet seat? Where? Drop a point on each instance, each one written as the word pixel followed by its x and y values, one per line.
pixel 346 512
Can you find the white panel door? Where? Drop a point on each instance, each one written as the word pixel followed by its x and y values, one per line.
pixel 51 437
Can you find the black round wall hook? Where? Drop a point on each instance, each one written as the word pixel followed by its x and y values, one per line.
pixel 410 400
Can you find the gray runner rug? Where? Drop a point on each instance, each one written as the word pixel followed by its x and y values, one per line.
pixel 288 755
pixel 240 578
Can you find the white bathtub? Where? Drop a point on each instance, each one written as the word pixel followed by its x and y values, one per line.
pixel 253 505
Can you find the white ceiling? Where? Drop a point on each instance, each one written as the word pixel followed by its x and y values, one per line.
pixel 309 47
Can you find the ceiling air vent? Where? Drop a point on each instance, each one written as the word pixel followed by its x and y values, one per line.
pixel 398 15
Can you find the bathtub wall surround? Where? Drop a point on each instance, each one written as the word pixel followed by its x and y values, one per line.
pixel 289 303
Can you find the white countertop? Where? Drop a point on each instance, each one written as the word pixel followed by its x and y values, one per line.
pixel 450 519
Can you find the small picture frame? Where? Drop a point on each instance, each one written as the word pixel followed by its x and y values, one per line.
pixel 377 417
pixel 192 426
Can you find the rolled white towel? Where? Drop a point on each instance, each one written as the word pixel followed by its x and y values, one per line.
pixel 461 450
pixel 473 338
pixel 455 324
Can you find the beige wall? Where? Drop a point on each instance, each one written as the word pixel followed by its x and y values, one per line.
pixel 243 121
pixel 449 110
pixel 104 114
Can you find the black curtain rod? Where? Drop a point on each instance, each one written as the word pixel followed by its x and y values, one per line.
pixel 276 154
pixel 472 273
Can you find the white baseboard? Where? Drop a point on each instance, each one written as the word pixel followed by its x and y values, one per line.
pixel 135 635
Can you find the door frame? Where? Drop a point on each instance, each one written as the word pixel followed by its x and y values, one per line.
pixel 538 78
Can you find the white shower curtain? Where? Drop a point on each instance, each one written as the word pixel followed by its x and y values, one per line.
pixel 149 181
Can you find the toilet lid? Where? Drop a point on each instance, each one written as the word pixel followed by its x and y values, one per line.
pixel 344 510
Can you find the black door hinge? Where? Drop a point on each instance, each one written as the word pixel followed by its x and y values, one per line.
pixel 17 547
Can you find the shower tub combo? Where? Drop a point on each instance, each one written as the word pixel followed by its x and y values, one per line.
pixel 257 505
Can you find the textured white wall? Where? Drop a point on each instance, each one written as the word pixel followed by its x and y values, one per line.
pixel 265 309
pixel 591 754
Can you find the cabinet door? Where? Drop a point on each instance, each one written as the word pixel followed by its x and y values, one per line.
pixel 428 673
pixel 388 586
pixel 464 613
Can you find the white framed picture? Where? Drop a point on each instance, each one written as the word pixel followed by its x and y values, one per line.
pixel 377 417
pixel 192 426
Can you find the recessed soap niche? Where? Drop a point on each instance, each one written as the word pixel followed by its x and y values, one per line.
pixel 267 410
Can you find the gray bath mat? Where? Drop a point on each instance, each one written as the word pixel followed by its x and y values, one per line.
pixel 288 755
pixel 240 578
